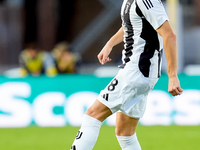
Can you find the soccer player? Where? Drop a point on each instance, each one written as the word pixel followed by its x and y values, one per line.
pixel 145 30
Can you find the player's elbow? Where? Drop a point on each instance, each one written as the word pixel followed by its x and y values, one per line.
pixel 170 37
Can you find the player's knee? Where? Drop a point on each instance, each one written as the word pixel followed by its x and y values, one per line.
pixel 117 132
pixel 90 111
pixel 120 131
pixel 124 130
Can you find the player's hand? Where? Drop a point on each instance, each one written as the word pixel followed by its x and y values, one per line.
pixel 103 55
pixel 174 87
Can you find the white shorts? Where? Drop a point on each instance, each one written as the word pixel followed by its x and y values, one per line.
pixel 127 92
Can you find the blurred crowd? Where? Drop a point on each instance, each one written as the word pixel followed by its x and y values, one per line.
pixel 34 61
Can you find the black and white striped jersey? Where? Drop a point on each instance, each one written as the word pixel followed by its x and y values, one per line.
pixel 143 45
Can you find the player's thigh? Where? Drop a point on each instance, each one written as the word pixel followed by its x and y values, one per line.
pixel 125 125
pixel 99 111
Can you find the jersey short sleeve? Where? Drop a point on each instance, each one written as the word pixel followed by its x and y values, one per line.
pixel 153 11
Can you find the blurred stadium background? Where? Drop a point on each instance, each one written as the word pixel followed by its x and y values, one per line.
pixel 45 112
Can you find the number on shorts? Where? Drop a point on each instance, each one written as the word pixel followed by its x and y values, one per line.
pixel 112 85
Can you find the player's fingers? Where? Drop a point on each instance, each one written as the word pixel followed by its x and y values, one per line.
pixel 180 89
pixel 173 92
pixel 176 91
pixel 108 59
pixel 104 60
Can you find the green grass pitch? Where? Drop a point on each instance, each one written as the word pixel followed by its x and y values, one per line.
pixel 150 137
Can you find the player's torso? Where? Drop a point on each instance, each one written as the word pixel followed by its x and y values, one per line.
pixel 142 44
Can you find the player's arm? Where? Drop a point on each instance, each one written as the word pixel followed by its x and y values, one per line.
pixel 170 46
pixel 103 56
